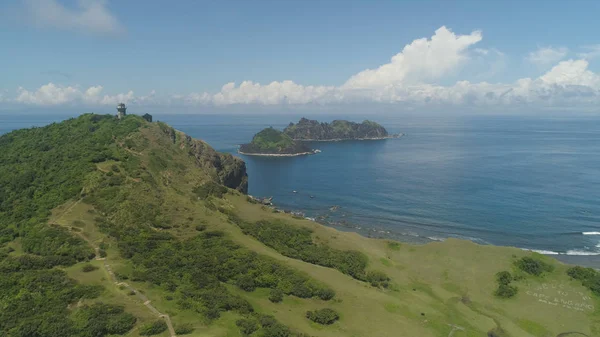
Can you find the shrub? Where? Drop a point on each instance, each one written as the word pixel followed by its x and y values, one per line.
pixel 184 329
pixel 504 277
pixel 102 252
pixel 246 326
pixel 201 228
pixel 276 295
pixel 326 294
pixel 324 316
pixel 153 328
pixel 589 277
pixel 378 278
pixel 506 291
pixel 533 266
pixel 88 268
pixel 210 188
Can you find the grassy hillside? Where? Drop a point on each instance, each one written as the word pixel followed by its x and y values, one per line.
pixel 126 228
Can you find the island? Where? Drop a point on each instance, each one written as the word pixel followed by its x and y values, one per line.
pixel 312 130
pixel 272 142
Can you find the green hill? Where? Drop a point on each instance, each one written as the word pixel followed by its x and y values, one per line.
pixel 271 141
pixel 127 227
pixel 307 129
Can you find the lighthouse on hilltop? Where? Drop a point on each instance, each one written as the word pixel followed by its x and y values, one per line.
pixel 121 110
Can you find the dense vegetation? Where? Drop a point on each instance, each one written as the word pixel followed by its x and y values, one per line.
pixel 307 129
pixel 271 141
pixel 34 303
pixel 40 169
pixel 297 242
pixel 589 277
pixel 324 316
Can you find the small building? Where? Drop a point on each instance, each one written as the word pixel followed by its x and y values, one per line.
pixel 121 110
pixel 147 117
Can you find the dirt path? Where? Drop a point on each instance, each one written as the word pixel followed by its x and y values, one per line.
pixel 113 278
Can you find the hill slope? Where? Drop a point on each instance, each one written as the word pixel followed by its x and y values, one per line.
pixel 271 141
pixel 106 224
pixel 307 129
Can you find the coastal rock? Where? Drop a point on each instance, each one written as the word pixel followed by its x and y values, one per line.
pixel 307 129
pixel 225 169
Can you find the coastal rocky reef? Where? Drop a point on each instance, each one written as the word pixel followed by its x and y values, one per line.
pixel 307 129
pixel 270 141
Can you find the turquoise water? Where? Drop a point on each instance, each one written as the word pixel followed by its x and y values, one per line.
pixel 526 182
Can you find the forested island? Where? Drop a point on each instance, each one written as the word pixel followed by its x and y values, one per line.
pixel 272 142
pixel 312 130
pixel 129 227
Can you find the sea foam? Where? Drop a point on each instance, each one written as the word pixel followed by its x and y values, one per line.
pixel 590 233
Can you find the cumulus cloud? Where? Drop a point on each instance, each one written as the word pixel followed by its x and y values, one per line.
pixel 546 56
pixel 88 15
pixel 420 61
pixel 411 78
pixel 54 94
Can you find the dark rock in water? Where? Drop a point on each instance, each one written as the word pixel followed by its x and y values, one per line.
pixel 307 129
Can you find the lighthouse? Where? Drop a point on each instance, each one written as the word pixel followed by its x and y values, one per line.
pixel 121 110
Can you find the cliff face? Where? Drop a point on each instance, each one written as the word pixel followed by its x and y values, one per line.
pixel 225 169
pixel 307 129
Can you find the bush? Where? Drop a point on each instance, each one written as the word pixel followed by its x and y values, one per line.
pixel 504 277
pixel 589 278
pixel 506 291
pixel 153 328
pixel 324 316
pixel 201 228
pixel 102 252
pixel 209 188
pixel 88 268
pixel 246 326
pixel 378 278
pixel 184 329
pixel 326 294
pixel 276 295
pixel 533 266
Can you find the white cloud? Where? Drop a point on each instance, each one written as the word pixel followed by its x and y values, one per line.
pixel 422 60
pixel 571 72
pixel 53 94
pixel 89 15
pixel 411 78
pixel 546 56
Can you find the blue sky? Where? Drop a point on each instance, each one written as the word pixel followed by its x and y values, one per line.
pixel 471 54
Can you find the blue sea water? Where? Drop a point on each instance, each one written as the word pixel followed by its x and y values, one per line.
pixel 528 182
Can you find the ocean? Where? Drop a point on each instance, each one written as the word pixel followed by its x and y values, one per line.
pixel 527 182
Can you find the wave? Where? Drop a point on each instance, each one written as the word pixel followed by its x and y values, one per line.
pixel 573 252
pixel 590 233
pixel 541 251
pixel 581 252
pixel 435 238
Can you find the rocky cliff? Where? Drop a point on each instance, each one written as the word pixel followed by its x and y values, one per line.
pixel 307 129
pixel 226 169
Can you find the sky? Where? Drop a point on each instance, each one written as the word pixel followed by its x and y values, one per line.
pixel 312 55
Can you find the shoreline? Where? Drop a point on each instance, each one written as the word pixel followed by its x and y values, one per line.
pixel 278 154
pixel 399 135
pixel 584 259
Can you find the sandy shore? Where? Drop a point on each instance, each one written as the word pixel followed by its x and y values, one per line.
pixel 346 139
pixel 278 154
